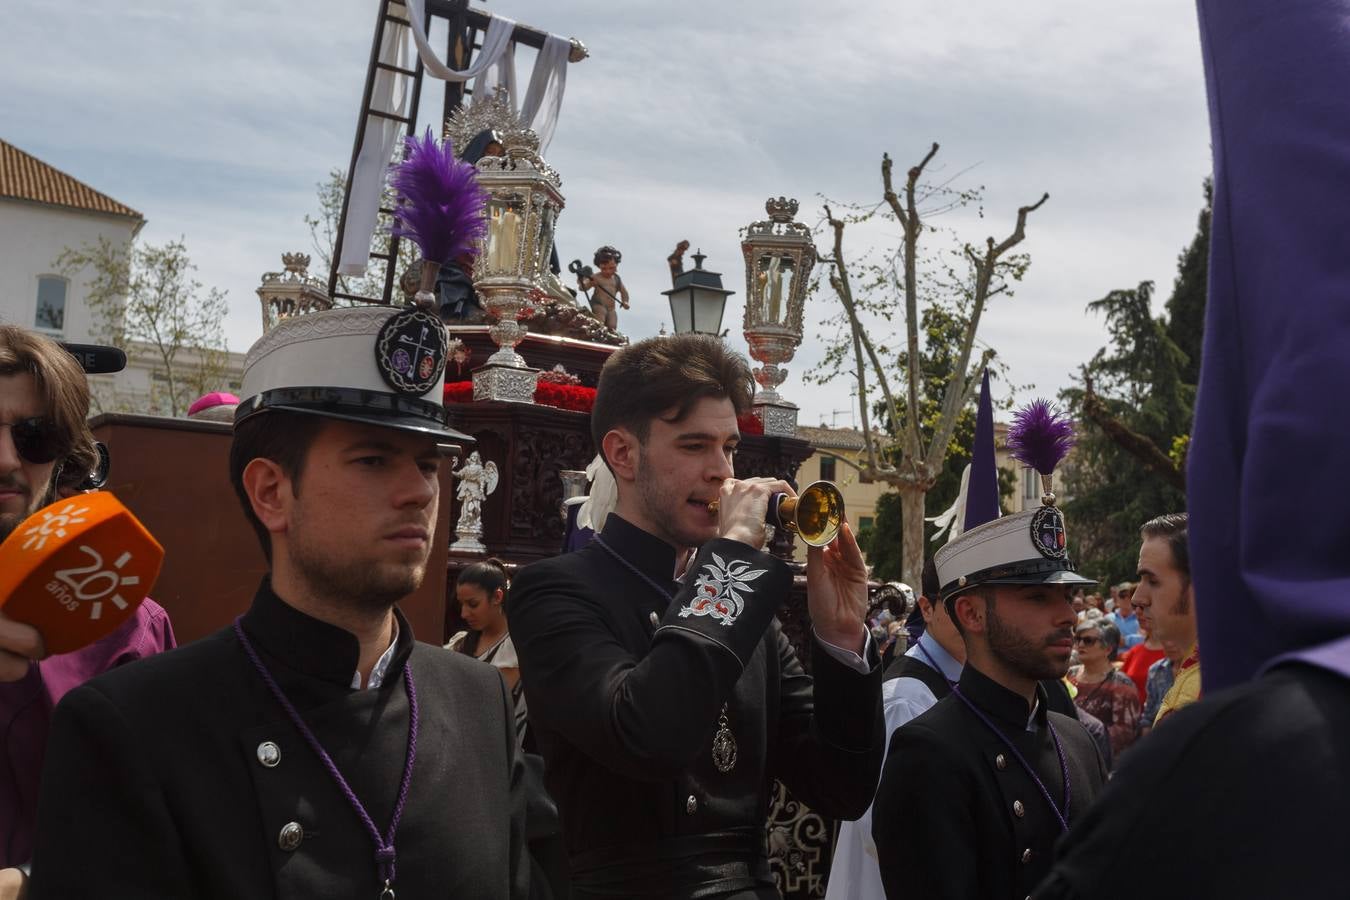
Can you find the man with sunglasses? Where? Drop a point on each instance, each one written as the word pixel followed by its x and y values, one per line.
pixel 45 448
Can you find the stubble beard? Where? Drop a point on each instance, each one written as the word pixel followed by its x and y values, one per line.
pixel 1020 653
pixel 362 585
pixel 662 510
pixel 10 522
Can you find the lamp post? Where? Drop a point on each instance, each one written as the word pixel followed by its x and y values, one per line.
pixel 523 206
pixel 779 256
pixel 698 299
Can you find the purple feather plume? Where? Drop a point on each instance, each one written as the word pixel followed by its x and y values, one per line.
pixel 442 207
pixel 1040 436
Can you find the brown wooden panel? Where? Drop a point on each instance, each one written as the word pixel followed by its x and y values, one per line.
pixel 174 475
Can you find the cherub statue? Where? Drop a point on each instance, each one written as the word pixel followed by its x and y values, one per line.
pixel 605 287
pixel 477 479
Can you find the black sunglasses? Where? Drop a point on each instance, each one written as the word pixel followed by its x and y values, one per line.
pixel 1085 641
pixel 36 439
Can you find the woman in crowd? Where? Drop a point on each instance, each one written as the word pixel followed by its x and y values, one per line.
pixel 481 592
pixel 1104 691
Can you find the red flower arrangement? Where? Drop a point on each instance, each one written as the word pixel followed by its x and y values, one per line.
pixel 574 397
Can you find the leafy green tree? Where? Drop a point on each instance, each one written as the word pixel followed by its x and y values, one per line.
pixel 879 290
pixel 144 300
pixel 1135 401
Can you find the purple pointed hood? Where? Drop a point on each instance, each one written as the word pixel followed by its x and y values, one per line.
pixel 982 489
pixel 1268 483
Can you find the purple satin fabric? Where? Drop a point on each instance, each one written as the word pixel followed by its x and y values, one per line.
pixel 25 713
pixel 1268 475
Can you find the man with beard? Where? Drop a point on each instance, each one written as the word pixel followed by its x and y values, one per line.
pixel 665 708
pixel 976 790
pixel 311 749
pixel 46 451
pixel 1243 793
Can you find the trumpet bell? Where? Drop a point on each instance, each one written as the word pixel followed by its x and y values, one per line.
pixel 815 515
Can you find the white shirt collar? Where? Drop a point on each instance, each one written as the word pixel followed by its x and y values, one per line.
pixel 381 664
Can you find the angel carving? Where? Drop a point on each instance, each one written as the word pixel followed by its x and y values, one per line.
pixel 477 479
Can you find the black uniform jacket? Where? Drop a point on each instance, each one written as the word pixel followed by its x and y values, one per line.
pixel 625 687
pixel 154 785
pixel 1242 794
pixel 957 816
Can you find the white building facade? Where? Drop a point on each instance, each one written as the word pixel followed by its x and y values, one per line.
pixel 43 212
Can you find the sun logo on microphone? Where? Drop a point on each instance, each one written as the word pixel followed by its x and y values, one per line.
pixel 53 524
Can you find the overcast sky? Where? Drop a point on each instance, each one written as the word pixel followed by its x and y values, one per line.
pixel 215 121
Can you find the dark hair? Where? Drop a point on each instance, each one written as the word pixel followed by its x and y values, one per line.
pixel 928 582
pixel 665 377
pixel 284 438
pixel 984 592
pixel 1171 527
pixel 607 252
pixel 488 574
pixel 63 388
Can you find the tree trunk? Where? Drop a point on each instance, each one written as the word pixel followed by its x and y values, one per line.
pixel 911 535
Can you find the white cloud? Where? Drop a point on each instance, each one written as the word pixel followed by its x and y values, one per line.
pixel 215 120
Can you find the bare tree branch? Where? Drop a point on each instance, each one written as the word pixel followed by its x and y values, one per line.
pixel 984 275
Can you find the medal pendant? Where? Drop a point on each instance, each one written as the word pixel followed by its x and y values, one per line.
pixel 724 744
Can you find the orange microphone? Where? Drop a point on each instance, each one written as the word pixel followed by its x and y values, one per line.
pixel 77 569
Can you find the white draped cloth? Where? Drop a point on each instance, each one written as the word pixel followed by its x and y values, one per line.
pixel 495 64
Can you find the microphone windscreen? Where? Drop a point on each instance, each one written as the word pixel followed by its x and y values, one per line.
pixel 97 359
pixel 77 569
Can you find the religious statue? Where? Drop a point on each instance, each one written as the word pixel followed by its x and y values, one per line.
pixel 604 288
pixel 477 479
pixel 676 260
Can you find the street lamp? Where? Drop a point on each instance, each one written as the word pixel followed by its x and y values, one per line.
pixel 698 299
pixel 779 256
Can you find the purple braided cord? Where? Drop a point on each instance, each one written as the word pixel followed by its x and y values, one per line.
pixel 384 847
pixel 1059 750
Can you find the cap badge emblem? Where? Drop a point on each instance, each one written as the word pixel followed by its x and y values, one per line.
pixel 411 350
pixel 1047 532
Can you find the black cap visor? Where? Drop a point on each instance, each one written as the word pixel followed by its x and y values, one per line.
pixel 353 405
pixel 1028 571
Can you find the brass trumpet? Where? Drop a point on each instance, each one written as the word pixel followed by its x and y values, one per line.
pixel 815 514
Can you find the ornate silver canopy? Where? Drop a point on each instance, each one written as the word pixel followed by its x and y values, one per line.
pixel 292 292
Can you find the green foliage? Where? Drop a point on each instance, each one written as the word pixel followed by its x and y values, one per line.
pixel 1186 307
pixel 1146 379
pixel 144 299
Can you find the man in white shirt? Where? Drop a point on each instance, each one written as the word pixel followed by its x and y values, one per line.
pixel 912 684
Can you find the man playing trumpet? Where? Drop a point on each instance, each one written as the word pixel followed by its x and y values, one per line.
pixel 667 696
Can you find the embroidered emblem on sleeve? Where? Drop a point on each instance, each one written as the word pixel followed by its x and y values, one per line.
pixel 721 590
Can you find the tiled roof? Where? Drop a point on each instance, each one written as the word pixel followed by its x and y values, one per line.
pixel 25 177
pixel 837 438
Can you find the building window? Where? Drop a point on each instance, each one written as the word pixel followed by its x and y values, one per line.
pixel 864 522
pixel 1033 484
pixel 51 304
pixel 827 468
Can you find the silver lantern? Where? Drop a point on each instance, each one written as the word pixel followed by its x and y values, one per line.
pixel 292 292
pixel 779 256
pixel 512 262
